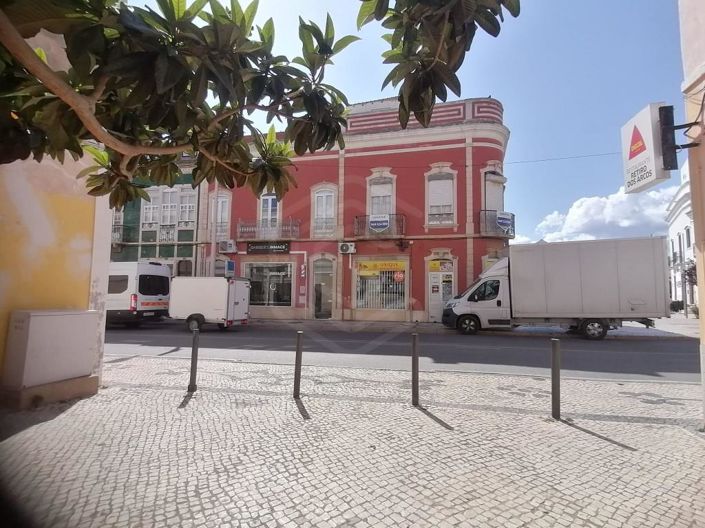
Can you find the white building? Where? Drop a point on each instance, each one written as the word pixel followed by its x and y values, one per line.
pixel 679 216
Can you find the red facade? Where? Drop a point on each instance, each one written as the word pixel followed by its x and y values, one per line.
pixel 423 207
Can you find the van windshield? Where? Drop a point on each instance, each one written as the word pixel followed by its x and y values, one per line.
pixel 468 290
pixel 154 285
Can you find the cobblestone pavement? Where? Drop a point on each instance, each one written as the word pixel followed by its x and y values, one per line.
pixel 354 453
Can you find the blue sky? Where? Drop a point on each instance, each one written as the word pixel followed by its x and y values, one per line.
pixel 569 75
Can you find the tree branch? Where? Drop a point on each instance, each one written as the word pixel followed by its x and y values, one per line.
pixel 83 106
pixel 217 161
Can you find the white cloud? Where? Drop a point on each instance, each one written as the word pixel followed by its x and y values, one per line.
pixel 615 215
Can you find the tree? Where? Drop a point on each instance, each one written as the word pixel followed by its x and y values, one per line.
pixel 150 86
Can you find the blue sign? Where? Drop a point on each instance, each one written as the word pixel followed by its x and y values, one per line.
pixel 379 223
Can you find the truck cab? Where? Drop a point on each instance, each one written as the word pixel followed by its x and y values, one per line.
pixel 485 304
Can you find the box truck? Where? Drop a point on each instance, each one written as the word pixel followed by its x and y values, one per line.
pixel 137 291
pixel 219 300
pixel 588 287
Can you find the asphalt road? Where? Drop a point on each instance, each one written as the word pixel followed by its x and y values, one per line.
pixel 659 359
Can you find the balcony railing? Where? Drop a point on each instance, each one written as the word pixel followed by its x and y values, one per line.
pixel 382 226
pixel 284 230
pixel 497 224
pixel 324 227
pixel 167 233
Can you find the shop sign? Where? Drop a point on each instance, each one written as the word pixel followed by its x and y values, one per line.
pixel 379 222
pixel 641 151
pixel 267 248
pixel 504 221
pixel 440 265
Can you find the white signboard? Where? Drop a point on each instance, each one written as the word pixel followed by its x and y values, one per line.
pixel 379 222
pixel 641 151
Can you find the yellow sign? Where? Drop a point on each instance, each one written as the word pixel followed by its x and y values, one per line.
pixel 440 265
pixel 372 267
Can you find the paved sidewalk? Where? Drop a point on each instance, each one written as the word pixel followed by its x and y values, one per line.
pixel 483 452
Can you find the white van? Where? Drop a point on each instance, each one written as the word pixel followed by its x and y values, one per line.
pixel 137 291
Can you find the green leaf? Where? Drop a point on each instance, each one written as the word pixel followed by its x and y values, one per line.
pixel 194 9
pixel 41 54
pixel 366 13
pixel 330 29
pixel 344 43
pixel 513 6
pixel 448 77
pixel 487 21
pixel 236 10
pixel 249 17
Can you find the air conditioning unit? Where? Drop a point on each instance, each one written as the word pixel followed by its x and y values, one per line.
pixel 227 246
pixel 346 247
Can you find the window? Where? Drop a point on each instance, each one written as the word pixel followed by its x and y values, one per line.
pixel 269 210
pixel 324 221
pixel 270 283
pixel 169 207
pixel 117 283
pixel 381 192
pixel 687 237
pixel 487 291
pixel 187 207
pixel 441 194
pixel 381 285
pixel 153 285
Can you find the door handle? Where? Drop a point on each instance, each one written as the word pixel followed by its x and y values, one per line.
pixel 499 303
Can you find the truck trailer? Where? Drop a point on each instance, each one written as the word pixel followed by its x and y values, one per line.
pixel 588 287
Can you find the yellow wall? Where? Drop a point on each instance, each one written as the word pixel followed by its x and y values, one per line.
pixel 46 238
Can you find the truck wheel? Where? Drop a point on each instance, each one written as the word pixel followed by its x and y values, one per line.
pixel 468 325
pixel 195 320
pixel 594 329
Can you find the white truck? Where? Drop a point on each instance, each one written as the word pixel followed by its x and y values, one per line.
pixel 219 300
pixel 588 287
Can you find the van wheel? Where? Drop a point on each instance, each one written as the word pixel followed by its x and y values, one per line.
pixel 194 321
pixel 468 325
pixel 594 329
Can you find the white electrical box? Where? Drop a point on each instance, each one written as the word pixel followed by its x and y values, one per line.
pixel 49 346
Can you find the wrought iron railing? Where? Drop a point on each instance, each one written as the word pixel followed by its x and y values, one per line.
pixel 393 225
pixel 268 230
pixel 497 224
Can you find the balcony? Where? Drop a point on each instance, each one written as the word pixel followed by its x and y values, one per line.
pixel 122 234
pixel 284 230
pixel 324 227
pixel 497 224
pixel 380 226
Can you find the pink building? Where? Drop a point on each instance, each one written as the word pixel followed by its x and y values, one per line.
pixel 386 229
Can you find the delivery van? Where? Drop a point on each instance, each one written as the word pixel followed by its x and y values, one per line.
pixel 137 291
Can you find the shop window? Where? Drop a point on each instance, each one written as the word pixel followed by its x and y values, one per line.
pixel 270 283
pixel 381 285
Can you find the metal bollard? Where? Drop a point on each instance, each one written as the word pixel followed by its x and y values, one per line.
pixel 297 365
pixel 194 361
pixel 556 379
pixel 415 369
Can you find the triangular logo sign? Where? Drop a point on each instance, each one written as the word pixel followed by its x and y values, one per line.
pixel 637 145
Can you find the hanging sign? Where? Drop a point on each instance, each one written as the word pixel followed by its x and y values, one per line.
pixel 641 151
pixel 379 222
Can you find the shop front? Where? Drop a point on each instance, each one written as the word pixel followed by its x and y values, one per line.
pixel 381 289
